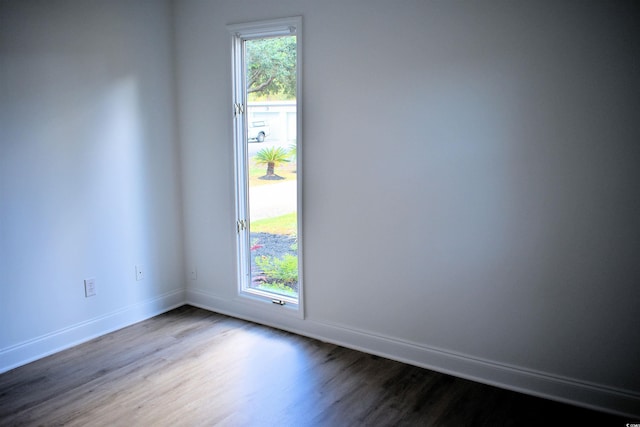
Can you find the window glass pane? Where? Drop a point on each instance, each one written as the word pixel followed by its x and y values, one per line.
pixel 271 117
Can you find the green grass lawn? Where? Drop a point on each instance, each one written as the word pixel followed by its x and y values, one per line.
pixel 285 224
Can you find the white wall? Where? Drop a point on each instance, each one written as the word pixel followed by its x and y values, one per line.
pixel 470 180
pixel 470 184
pixel 89 178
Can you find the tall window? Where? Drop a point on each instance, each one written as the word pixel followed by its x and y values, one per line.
pixel 267 128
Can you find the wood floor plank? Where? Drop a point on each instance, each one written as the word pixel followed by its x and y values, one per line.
pixel 190 367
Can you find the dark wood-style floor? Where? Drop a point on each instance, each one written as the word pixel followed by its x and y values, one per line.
pixel 191 367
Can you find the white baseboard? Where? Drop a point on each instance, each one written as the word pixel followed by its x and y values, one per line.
pixel 37 348
pixel 568 390
pixel 541 384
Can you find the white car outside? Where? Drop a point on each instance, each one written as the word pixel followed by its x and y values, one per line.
pixel 258 131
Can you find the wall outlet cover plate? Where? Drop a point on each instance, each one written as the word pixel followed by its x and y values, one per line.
pixel 89 287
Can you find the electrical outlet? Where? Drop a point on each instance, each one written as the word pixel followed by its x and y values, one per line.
pixel 139 273
pixel 193 274
pixel 89 287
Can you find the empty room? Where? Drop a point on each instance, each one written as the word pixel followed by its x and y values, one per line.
pixel 319 213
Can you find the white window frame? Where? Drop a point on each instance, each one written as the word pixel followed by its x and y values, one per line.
pixel 239 34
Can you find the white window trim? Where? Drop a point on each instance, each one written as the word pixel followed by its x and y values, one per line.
pixel 240 33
